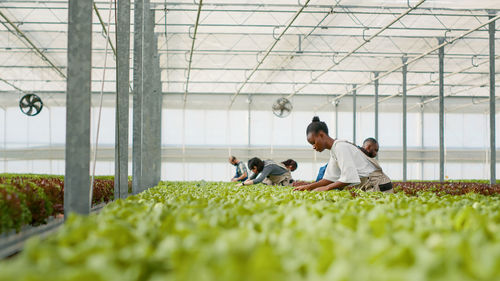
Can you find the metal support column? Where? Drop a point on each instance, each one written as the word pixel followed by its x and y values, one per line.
pixel 157 114
pixel 493 161
pixel 77 156
pixel 337 118
pixel 441 111
pixel 122 99
pixel 422 130
pixel 137 186
pixel 249 129
pixel 376 105
pixel 148 87
pixel 405 152
pixel 354 114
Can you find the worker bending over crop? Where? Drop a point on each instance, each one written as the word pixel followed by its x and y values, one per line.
pixel 290 164
pixel 268 172
pixel 370 148
pixel 348 165
pixel 241 171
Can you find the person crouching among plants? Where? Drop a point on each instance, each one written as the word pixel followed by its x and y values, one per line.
pixel 290 164
pixel 348 165
pixel 241 171
pixel 268 172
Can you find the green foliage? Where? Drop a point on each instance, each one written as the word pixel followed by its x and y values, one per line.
pixel 14 211
pixel 215 231
pixel 32 199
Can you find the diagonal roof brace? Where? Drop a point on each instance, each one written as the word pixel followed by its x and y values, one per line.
pixel 419 57
pixel 271 47
pixel 104 29
pixel 434 80
pixel 474 102
pixel 357 48
pixel 13 86
pixel 30 44
pixel 192 49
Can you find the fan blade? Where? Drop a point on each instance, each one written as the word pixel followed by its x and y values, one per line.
pixel 24 105
pixel 37 107
pixel 36 99
pixel 30 111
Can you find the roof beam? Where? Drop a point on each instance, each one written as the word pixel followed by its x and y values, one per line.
pixel 269 50
pixel 419 57
pixel 13 86
pixel 358 47
pixel 453 94
pixel 192 50
pixel 17 32
pixel 180 93
pixel 253 82
pixel 363 9
pixel 462 71
pixel 104 29
pixel 247 69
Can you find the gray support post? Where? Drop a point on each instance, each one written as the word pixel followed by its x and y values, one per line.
pixel 158 101
pixel 376 105
pixel 441 111
pixel 249 129
pixel 122 99
pixel 137 186
pixel 405 152
pixel 76 180
pixel 493 161
pixel 422 130
pixel 148 87
pixel 354 114
pixel 337 119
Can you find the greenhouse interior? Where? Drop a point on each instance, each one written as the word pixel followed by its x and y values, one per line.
pixel 249 140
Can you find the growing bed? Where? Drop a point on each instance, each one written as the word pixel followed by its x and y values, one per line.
pixel 216 231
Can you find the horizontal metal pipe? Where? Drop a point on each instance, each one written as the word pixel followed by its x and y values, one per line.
pixel 261 5
pixel 287 53
pixel 162 34
pixel 253 26
pixel 244 93
pixel 238 82
pixel 370 11
pixel 242 69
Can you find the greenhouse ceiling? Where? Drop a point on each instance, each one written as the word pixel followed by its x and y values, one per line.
pixel 314 50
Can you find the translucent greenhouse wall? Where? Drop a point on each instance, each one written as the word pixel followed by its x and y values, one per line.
pixel 228 130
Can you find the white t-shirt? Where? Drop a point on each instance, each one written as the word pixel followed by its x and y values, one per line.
pixel 347 164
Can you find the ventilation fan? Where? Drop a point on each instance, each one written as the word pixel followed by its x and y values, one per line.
pixel 31 104
pixel 282 107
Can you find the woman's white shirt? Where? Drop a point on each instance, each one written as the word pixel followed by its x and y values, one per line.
pixel 347 164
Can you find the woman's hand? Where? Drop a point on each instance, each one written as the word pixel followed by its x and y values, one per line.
pixel 303 187
pixel 322 188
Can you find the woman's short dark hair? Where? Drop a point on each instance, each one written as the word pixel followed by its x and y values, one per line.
pixel 256 162
pixel 290 162
pixel 316 126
